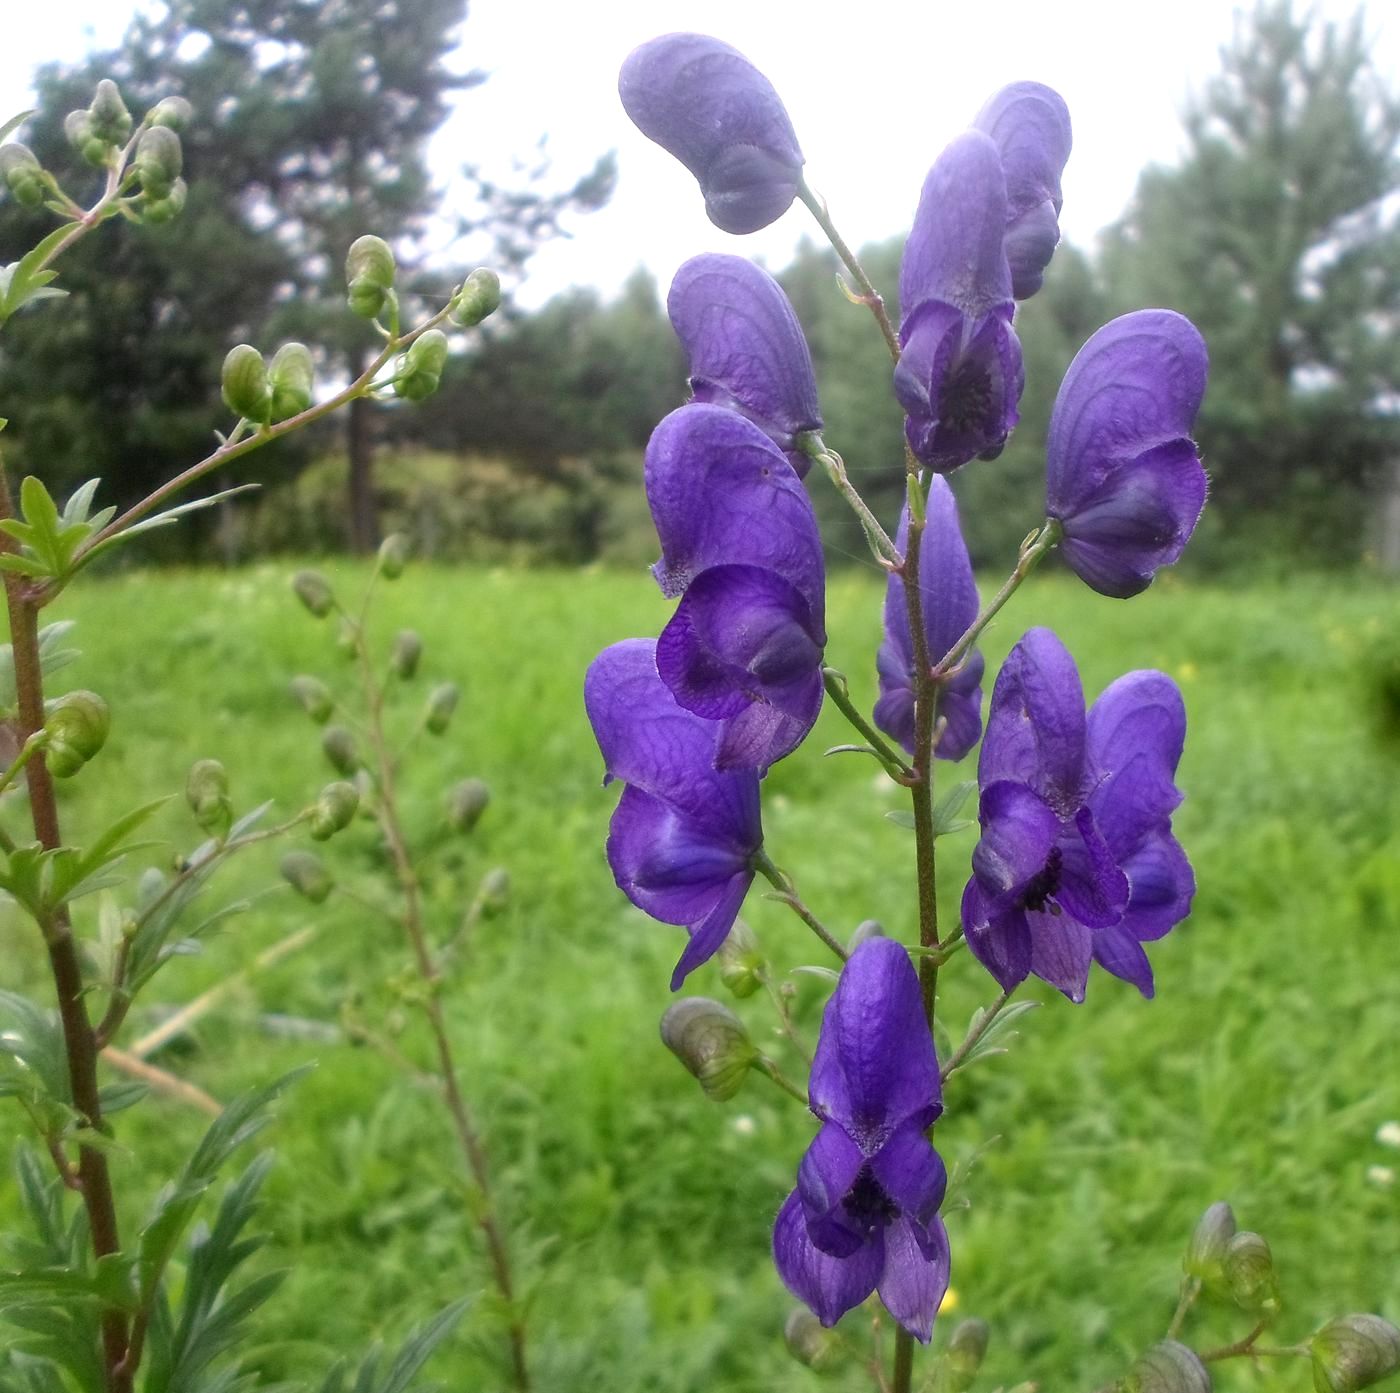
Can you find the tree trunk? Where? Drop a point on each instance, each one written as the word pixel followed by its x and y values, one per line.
pixel 362 519
pixel 1388 542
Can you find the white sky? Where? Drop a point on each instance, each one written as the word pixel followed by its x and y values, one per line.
pixel 872 105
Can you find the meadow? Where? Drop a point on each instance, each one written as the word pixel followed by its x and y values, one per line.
pixel 639 1210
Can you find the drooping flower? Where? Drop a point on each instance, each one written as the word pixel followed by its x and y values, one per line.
pixel 706 104
pixel 1029 124
pixel 1076 863
pixel 684 834
pixel 740 546
pixel 864 1215
pixel 745 348
pixel 949 603
pixel 959 376
pixel 1123 476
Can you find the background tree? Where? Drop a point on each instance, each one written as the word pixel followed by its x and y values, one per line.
pixel 1278 236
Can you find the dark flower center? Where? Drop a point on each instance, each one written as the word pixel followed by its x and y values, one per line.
pixel 1044 883
pixel 867 1201
pixel 967 398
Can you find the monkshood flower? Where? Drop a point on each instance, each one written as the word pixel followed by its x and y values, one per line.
pixel 949 604
pixel 745 348
pixel 1123 477
pixel 684 834
pixel 864 1215
pixel 740 546
pixel 706 104
pixel 1029 124
pixel 1077 863
pixel 959 375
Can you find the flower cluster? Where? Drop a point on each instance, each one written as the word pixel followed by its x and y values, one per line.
pixel 1076 862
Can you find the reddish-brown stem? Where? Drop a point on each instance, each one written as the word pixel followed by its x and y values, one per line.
pixel 94 1179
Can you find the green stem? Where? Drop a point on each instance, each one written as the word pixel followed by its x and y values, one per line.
pixel 903 1360
pixel 787 894
pixel 1190 1290
pixel 895 764
pixel 973 1036
pixel 770 1067
pixel 1249 1346
pixel 32 746
pixel 886 552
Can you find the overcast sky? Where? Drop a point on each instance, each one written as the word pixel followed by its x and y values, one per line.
pixel 874 88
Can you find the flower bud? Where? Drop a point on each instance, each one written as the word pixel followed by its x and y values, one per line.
pixel 162 210
pixel 206 791
pixel 404 656
pixel 479 296
pixel 466 802
pixel 290 378
pixel 966 1350
pixel 314 591
pixel 158 161
pixel 111 121
pixel 1205 1253
pixel 245 386
pixel 866 929
pixel 393 555
pixel 347 638
pixel 334 810
pixel 338 746
pixel 494 891
pixel 810 1343
pixel 78 128
pixel 1168 1368
pixel 442 702
pixel 77 724
pixel 369 270
pixel 420 369
pixel 741 963
pixel 710 1040
pixel 1353 1352
pixel 174 113
pixel 307 875
pixel 22 173
pixel 1248 1266
pixel 314 696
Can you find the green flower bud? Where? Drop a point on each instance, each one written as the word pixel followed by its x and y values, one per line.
pixel 314 696
pixel 1205 1253
pixel 163 210
pixel 338 746
pixel 741 964
pixel 369 270
pixel 78 128
pixel 175 113
pixel 77 725
pixel 1248 1266
pixel 206 791
pixel 347 638
pixel 290 378
pixel 810 1343
pixel 1168 1368
pixel 479 296
pixel 710 1040
pixel 245 386
pixel 334 810
pixel 111 121
pixel 404 656
pixel 393 554
pixel 22 173
pixel 158 161
pixel 420 369
pixel 963 1358
pixel 314 591
pixel 442 702
pixel 466 802
pixel 307 875
pixel 494 891
pixel 1353 1352
pixel 866 929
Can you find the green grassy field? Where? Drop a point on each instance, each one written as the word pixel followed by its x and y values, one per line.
pixel 639 1209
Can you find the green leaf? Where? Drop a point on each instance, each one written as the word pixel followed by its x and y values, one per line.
pixel 80 502
pixel 75 869
pixel 901 817
pixel 946 810
pixel 413 1354
pixel 998 1037
pixel 33 1037
pixel 161 520
pixel 114 1097
pixel 14 123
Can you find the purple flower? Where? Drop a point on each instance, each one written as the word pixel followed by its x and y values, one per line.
pixel 739 544
pixel 1030 125
pixel 864 1215
pixel 949 602
pixel 1077 862
pixel 1123 476
pixel 745 348
pixel 720 117
pixel 959 376
pixel 684 834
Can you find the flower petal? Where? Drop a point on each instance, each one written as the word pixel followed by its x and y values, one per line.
pixel 1061 952
pixel 1091 887
pixel 1019 831
pixel 1002 944
pixel 828 1286
pixel 825 1175
pixel 915 1276
pixel 745 347
pixel 1118 952
pixel 1162 886
pixel 709 934
pixel 911 1172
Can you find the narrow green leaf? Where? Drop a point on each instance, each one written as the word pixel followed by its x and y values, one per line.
pixel 79 502
pixel 162 520
pixel 14 123
pixel 901 817
pixel 947 809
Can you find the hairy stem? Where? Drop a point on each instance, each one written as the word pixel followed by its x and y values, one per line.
pixel 786 893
